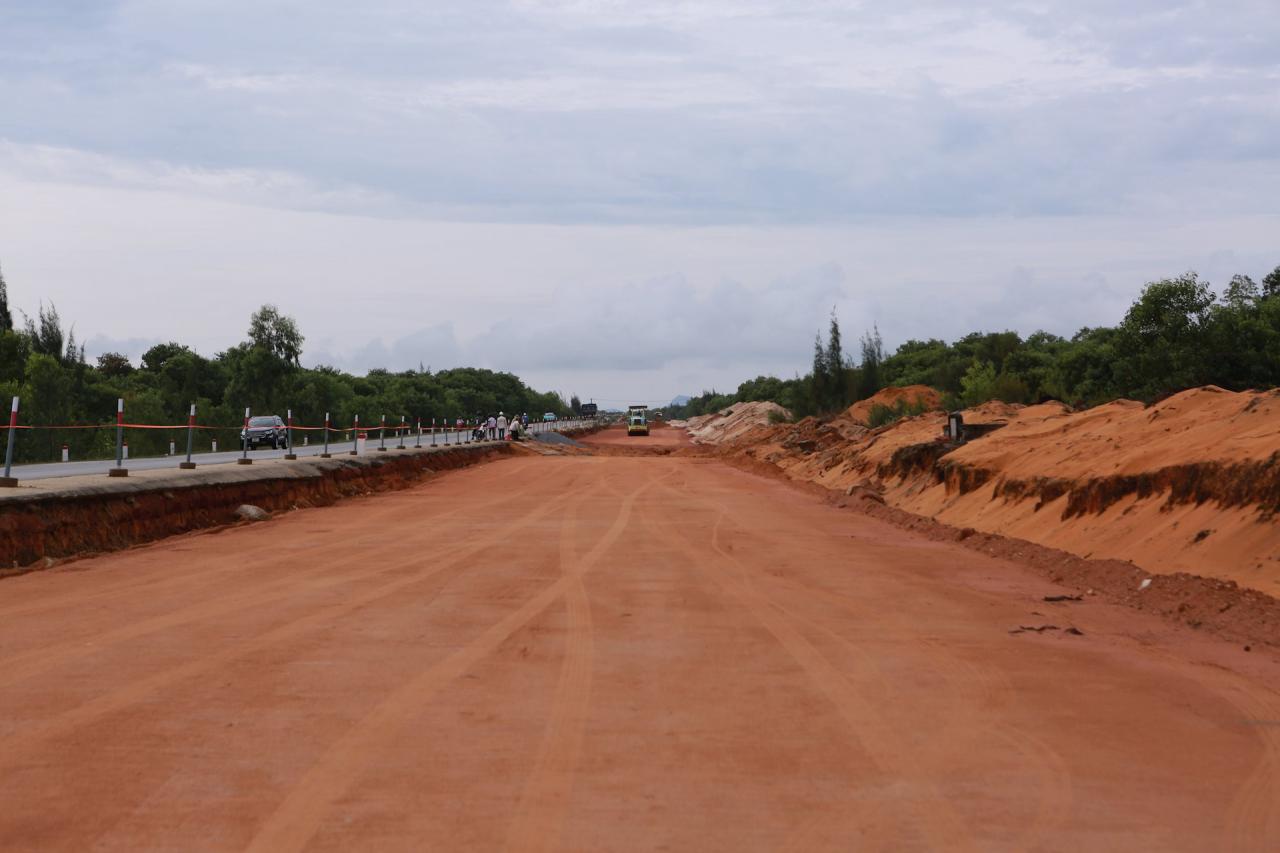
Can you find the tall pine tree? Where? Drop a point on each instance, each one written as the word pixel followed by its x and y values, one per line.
pixel 835 365
pixel 872 357
pixel 820 385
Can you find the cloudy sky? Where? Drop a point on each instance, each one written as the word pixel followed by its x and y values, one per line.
pixel 626 200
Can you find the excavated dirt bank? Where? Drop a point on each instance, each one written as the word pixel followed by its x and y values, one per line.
pixel 1191 484
pixel 1216 606
pixel 36 528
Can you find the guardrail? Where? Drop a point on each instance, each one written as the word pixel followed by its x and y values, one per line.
pixel 439 432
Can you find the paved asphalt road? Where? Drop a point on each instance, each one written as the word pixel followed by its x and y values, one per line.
pixel 100 466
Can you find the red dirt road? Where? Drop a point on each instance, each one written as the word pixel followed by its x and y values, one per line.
pixel 611 653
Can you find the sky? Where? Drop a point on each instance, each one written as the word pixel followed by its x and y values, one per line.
pixel 626 200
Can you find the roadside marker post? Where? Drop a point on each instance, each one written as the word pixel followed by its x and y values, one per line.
pixel 382 436
pixel 446 432
pixel 8 481
pixel 244 441
pixel 325 454
pixel 289 454
pixel 355 436
pixel 191 430
pixel 418 440
pixel 119 470
pixel 66 453
pixel 403 428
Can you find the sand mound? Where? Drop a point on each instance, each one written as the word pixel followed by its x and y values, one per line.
pixel 1191 484
pixel 911 395
pixel 734 423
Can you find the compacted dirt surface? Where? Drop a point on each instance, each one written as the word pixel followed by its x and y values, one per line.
pixel 609 652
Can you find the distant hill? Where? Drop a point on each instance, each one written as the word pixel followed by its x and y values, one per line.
pixel 680 400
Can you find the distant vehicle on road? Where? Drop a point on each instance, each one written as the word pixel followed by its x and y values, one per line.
pixel 549 416
pixel 588 410
pixel 637 420
pixel 265 430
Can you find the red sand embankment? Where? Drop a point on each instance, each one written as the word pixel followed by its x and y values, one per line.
pixel 1188 485
pixel 74 516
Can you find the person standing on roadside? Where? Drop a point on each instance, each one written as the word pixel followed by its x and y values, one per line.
pixel 502 426
pixel 493 427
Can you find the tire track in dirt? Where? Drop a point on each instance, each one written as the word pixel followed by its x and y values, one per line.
pixel 969 687
pixel 889 752
pixel 1253 817
pixel 218 565
pixel 297 818
pixel 135 691
pixel 26 664
pixel 540 814
pixel 969 684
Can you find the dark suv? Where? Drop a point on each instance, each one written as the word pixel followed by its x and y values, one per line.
pixel 265 430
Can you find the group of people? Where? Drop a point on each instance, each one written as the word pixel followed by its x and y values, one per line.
pixel 497 427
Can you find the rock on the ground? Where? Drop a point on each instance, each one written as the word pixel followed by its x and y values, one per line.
pixel 249 512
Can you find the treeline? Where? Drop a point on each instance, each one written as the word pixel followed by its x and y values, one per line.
pixel 1178 334
pixel 45 366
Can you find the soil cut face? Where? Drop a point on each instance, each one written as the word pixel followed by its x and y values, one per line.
pixel 1191 484
pixel 592 653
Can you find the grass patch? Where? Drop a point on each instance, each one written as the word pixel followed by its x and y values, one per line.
pixel 882 415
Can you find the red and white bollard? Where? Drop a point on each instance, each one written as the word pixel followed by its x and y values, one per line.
pixel 244 442
pixel 66 453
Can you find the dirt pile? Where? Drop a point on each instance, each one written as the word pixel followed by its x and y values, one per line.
pixel 1191 484
pixel 916 396
pixel 735 422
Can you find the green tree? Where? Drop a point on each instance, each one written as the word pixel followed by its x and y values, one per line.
pixel 1162 341
pixel 1271 284
pixel 47 399
pixel 838 395
pixel 872 359
pixel 155 358
pixel 46 336
pixel 14 349
pixel 6 316
pixel 978 384
pixel 820 380
pixel 277 334
pixel 114 365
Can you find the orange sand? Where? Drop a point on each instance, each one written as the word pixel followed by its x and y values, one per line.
pixel 1189 484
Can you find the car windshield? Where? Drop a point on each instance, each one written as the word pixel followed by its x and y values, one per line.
pixel 262 422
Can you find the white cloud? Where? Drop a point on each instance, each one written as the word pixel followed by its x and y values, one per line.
pixel 527 184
